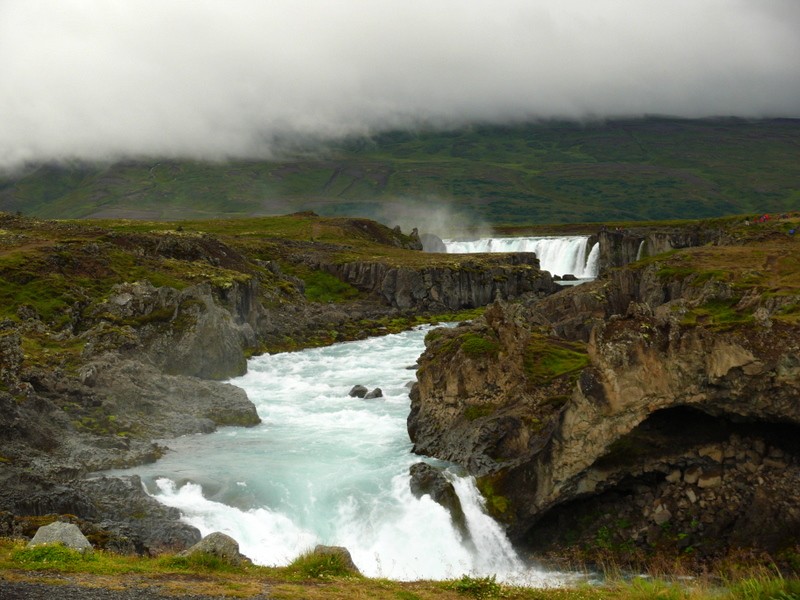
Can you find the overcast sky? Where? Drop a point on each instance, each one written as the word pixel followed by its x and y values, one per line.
pixel 222 78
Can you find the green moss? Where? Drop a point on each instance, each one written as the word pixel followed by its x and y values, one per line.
pixel 475 345
pixel 549 358
pixel 497 505
pixel 42 351
pixel 475 411
pixel 672 272
pixel 710 275
pixel 718 314
pixel 324 287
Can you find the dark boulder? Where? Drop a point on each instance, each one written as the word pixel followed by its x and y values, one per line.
pixel 376 393
pixel 358 391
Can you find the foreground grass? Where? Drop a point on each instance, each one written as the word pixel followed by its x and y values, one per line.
pixel 305 578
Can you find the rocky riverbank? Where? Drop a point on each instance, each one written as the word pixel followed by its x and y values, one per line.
pixel 115 335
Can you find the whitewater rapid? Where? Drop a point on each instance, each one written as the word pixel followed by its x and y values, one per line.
pixel 560 255
pixel 325 468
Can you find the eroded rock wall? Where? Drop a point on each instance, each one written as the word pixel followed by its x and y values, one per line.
pixel 588 440
pixel 465 283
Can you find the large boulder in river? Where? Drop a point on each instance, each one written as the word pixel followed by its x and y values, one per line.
pixel 61 533
pixel 376 393
pixel 358 391
pixel 133 518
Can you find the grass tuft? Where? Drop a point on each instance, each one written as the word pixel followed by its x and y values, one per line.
pixel 51 556
pixel 314 565
pixel 481 588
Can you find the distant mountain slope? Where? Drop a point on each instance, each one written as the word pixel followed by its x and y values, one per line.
pixel 530 173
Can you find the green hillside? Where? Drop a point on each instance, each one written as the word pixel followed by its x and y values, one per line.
pixel 551 172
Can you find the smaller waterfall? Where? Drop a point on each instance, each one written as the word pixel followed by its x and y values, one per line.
pixel 640 250
pixel 559 255
pixel 593 262
pixel 493 551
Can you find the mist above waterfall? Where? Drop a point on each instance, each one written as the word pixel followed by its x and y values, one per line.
pixel 433 215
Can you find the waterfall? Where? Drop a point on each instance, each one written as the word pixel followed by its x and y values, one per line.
pixel 640 250
pixel 559 255
pixel 327 468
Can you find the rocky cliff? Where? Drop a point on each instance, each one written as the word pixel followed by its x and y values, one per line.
pixel 659 407
pixel 456 284
pixel 621 246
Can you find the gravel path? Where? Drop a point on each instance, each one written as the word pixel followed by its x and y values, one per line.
pixel 16 590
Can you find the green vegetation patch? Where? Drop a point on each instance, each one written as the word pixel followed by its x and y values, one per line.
pixel 324 287
pixel 197 561
pixel 476 345
pixel 548 358
pixel 475 412
pixel 51 556
pixel 314 565
pixel 478 587
pixel 496 504
pixel 718 314
pixel 556 172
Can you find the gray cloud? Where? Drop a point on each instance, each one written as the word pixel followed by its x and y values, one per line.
pixel 223 78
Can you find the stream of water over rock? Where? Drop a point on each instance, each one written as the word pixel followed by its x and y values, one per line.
pixel 560 255
pixel 327 468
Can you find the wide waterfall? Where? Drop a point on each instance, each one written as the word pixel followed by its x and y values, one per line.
pixel 559 255
pixel 327 468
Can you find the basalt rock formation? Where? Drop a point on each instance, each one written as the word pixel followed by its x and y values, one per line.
pixel 658 407
pixel 621 246
pixel 461 283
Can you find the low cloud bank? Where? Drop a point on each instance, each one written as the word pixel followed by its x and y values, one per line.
pixel 218 79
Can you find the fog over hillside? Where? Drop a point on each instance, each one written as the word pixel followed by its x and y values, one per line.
pixel 214 79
